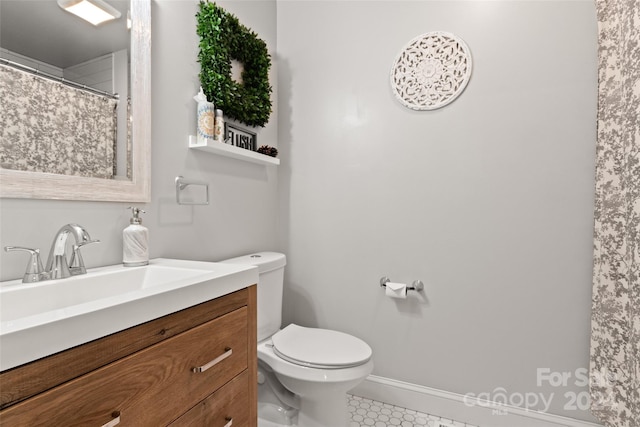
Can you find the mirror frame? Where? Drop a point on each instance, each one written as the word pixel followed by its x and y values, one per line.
pixel 38 185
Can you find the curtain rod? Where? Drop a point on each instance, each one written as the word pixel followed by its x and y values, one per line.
pixel 58 79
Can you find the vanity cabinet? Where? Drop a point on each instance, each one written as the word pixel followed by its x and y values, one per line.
pixel 196 367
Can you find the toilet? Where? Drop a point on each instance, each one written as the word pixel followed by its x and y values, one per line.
pixel 303 373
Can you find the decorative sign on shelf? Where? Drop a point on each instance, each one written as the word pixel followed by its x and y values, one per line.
pixel 241 137
pixel 431 71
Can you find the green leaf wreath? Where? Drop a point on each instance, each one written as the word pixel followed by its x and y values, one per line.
pixel 222 39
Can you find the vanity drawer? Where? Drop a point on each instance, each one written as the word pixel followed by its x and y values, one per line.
pixel 227 406
pixel 28 380
pixel 149 388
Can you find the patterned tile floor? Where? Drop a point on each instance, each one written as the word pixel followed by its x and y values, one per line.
pixel 365 412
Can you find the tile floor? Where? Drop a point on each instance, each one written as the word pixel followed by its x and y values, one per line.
pixel 365 412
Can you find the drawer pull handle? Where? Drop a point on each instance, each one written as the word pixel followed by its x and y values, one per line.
pixel 227 352
pixel 114 421
pixel 229 423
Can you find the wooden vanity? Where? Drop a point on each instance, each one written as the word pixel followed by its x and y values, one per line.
pixel 195 367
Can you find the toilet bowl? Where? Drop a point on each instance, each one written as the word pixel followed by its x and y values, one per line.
pixel 313 368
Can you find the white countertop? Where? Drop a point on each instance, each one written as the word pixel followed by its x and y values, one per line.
pixel 40 319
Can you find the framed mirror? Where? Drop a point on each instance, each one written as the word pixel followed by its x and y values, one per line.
pixel 131 182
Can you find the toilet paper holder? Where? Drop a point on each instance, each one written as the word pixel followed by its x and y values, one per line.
pixel 416 285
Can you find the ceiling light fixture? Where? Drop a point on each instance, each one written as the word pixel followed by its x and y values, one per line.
pixel 93 11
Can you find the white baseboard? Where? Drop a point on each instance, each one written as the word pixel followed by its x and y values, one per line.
pixel 458 407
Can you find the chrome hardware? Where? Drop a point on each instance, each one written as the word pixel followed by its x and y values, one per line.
pixel 57 266
pixel 34 272
pixel 227 352
pixel 76 264
pixel 416 285
pixel 182 183
pixel 114 421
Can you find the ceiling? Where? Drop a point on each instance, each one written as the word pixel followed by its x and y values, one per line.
pixel 40 29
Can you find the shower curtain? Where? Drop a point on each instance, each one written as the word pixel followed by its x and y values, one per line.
pixel 47 126
pixel 615 322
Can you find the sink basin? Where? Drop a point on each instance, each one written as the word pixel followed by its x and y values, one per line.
pixel 39 319
pixel 20 301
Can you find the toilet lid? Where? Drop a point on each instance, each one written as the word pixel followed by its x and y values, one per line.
pixel 320 348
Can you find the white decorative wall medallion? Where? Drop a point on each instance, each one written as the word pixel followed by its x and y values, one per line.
pixel 431 71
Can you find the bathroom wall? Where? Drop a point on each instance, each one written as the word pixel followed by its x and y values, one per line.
pixel 242 216
pixel 487 200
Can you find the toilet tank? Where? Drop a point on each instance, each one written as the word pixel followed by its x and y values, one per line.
pixel 270 285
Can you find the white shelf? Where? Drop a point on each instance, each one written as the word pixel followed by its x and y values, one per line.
pixel 227 150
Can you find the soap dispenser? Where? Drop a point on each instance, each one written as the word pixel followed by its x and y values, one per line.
pixel 135 241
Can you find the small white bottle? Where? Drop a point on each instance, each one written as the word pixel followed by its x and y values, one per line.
pixel 218 127
pixel 135 241
pixel 205 119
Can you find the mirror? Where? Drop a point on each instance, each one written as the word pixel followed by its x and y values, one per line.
pixel 136 187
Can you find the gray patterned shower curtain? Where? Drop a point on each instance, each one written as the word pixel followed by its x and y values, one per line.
pixel 615 320
pixel 47 126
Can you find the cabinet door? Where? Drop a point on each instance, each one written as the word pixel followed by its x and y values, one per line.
pixel 149 388
pixel 226 407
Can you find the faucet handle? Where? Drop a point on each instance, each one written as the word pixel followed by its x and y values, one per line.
pixel 76 265
pixel 34 272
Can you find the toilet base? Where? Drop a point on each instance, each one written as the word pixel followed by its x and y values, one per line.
pixel 267 423
pixel 330 411
pixel 274 415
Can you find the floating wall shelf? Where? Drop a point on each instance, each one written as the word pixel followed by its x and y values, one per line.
pixel 227 150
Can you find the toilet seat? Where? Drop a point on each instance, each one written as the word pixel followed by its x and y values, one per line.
pixel 320 348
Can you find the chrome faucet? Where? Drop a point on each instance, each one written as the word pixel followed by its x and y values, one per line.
pixel 57 266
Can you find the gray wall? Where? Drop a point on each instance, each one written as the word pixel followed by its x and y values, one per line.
pixel 489 200
pixel 242 216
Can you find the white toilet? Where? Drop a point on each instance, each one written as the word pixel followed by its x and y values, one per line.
pixel 303 373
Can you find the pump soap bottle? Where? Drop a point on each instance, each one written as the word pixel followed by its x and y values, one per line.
pixel 135 241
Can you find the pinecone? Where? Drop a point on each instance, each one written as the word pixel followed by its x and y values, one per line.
pixel 269 151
